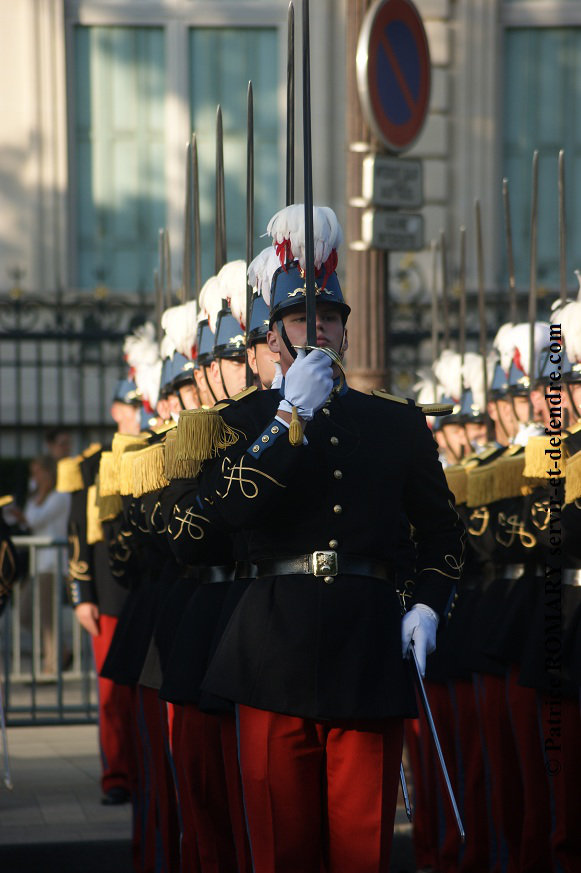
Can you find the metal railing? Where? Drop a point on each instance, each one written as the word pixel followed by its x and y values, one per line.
pixel 62 691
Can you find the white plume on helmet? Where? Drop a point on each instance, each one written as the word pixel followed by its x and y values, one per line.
pixel 179 324
pixel 142 353
pixel 211 301
pixel 232 281
pixel 568 315
pixel 427 389
pixel 503 344
pixel 473 376
pixel 521 344
pixel 289 224
pixel 261 270
pixel 447 369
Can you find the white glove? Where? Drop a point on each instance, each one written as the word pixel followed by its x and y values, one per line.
pixel 277 381
pixel 307 383
pixel 420 625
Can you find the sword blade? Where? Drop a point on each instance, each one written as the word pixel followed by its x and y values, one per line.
pixel 434 733
pixel 481 299
pixel 249 212
pixel 197 238
pixel 308 166
pixel 509 251
pixel 187 262
pixel 562 230
pixel 533 277
pixel 404 792
pixel 290 107
pixel 220 238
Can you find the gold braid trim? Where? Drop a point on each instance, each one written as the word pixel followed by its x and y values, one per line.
pixel 78 569
pixel 91 450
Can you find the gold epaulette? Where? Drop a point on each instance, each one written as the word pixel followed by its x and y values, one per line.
pixel 245 393
pixel 437 408
pixel 456 479
pixel 480 477
pixel 122 441
pixel 176 468
pixel 202 433
pixel 6 500
pixel 109 505
pixel 108 475
pixel 379 392
pixel 573 478
pixel 538 465
pixel 94 529
pixel 68 475
pixel 508 473
pixel 148 470
pixel 426 408
pixel 164 428
pixel 91 450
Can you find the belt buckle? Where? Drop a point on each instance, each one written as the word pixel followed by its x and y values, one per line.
pixel 325 564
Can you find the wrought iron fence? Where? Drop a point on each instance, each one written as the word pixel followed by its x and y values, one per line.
pixel 46 660
pixel 60 356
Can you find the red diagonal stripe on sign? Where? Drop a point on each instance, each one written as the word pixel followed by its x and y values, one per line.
pixel 398 73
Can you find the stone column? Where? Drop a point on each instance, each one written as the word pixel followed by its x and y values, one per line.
pixel 366 271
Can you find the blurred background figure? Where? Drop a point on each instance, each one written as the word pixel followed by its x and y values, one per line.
pixel 58 442
pixel 45 514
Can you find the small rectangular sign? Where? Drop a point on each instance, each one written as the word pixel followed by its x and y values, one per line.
pixel 392 231
pixel 392 182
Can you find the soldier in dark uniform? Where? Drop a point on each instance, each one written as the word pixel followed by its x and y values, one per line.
pixel 97 599
pixel 313 653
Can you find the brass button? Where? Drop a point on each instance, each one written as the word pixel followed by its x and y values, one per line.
pixel 326 411
pixel 334 441
pixel 275 429
pixel 338 474
pixel 265 438
pixel 337 509
pixel 329 579
pixel 255 448
pixel 333 544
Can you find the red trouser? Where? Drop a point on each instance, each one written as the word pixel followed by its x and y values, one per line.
pixel 443 715
pixel 229 739
pixel 163 794
pixel 189 859
pixel 319 790
pixel 505 775
pixel 425 816
pixel 475 857
pixel 535 852
pixel 144 829
pixel 197 752
pixel 115 708
pixel 562 744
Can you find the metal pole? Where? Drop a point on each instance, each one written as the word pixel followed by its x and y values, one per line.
pixel 249 214
pixel 290 107
pixel 309 233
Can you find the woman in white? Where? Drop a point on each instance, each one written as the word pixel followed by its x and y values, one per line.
pixel 46 514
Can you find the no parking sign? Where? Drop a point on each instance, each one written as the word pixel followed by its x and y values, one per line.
pixel 393 72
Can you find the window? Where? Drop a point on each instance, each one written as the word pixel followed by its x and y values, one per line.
pixel 542 90
pixel 119 184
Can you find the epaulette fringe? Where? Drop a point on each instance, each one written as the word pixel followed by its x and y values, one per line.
pixel 538 464
pixel 202 433
pixel 176 468
pixel 149 470
pixel 508 474
pixel 573 478
pixel 69 477
pixel 94 529
pixel 457 480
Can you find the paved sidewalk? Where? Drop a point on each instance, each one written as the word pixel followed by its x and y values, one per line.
pixel 56 794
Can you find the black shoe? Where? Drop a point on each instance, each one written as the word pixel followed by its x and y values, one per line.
pixel 116 796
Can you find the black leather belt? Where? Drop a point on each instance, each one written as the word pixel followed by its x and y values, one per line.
pixel 327 564
pixel 218 573
pixel 245 570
